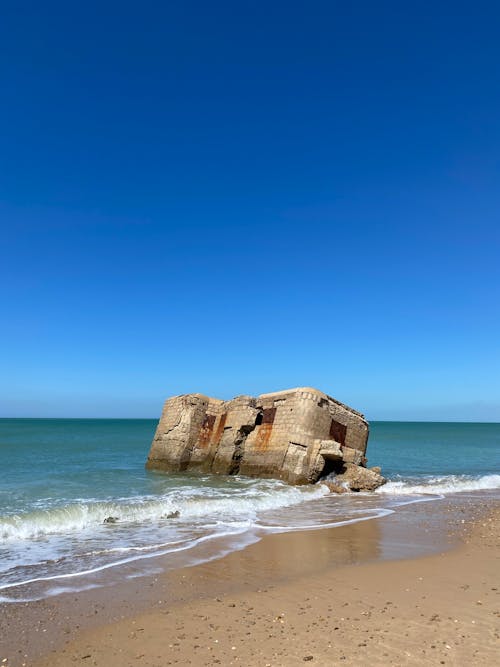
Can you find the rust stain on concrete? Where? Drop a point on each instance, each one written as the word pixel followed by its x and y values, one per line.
pixel 206 431
pixel 268 415
pixel 220 428
pixel 263 436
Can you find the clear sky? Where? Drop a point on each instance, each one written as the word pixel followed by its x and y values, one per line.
pixel 236 197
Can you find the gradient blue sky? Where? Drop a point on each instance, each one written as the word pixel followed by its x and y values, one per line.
pixel 243 197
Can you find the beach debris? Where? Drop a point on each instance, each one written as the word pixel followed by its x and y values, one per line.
pixel 111 519
pixel 335 488
pixel 298 436
pixel 357 478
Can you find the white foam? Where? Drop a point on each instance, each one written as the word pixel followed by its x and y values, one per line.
pixel 80 583
pixel 191 503
pixel 378 513
pixel 124 561
pixel 442 485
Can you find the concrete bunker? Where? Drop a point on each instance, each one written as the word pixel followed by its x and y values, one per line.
pixel 298 435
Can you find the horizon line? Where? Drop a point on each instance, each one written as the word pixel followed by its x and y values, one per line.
pixel 389 421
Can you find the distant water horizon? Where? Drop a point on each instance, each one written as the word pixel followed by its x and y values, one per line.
pixel 76 500
pixel 370 421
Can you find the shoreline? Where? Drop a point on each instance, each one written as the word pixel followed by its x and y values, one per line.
pixel 281 570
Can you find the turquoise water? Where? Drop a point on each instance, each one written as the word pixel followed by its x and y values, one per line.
pixel 422 448
pixel 61 479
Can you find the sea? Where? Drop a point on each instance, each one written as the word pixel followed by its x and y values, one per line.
pixel 78 509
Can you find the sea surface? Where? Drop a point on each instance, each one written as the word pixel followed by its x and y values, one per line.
pixel 77 506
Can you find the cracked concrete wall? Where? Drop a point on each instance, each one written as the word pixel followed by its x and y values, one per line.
pixel 289 435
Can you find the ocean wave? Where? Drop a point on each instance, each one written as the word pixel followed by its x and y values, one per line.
pixel 375 513
pixel 445 484
pixel 188 503
pixel 189 544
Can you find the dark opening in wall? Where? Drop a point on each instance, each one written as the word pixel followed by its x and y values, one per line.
pixel 269 414
pixel 259 419
pixel 335 466
pixel 338 431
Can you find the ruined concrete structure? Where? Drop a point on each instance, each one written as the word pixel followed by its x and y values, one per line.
pixel 298 435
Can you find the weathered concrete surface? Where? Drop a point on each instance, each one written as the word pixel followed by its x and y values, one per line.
pixel 298 435
pixel 358 478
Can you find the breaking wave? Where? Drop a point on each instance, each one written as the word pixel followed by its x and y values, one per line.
pixel 440 485
pixel 64 545
pixel 76 541
pixel 191 504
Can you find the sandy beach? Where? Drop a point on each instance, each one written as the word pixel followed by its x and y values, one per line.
pixel 327 597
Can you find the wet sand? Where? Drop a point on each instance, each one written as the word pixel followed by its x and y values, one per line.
pixel 326 597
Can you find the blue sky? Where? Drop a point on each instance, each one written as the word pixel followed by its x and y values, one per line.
pixel 243 197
